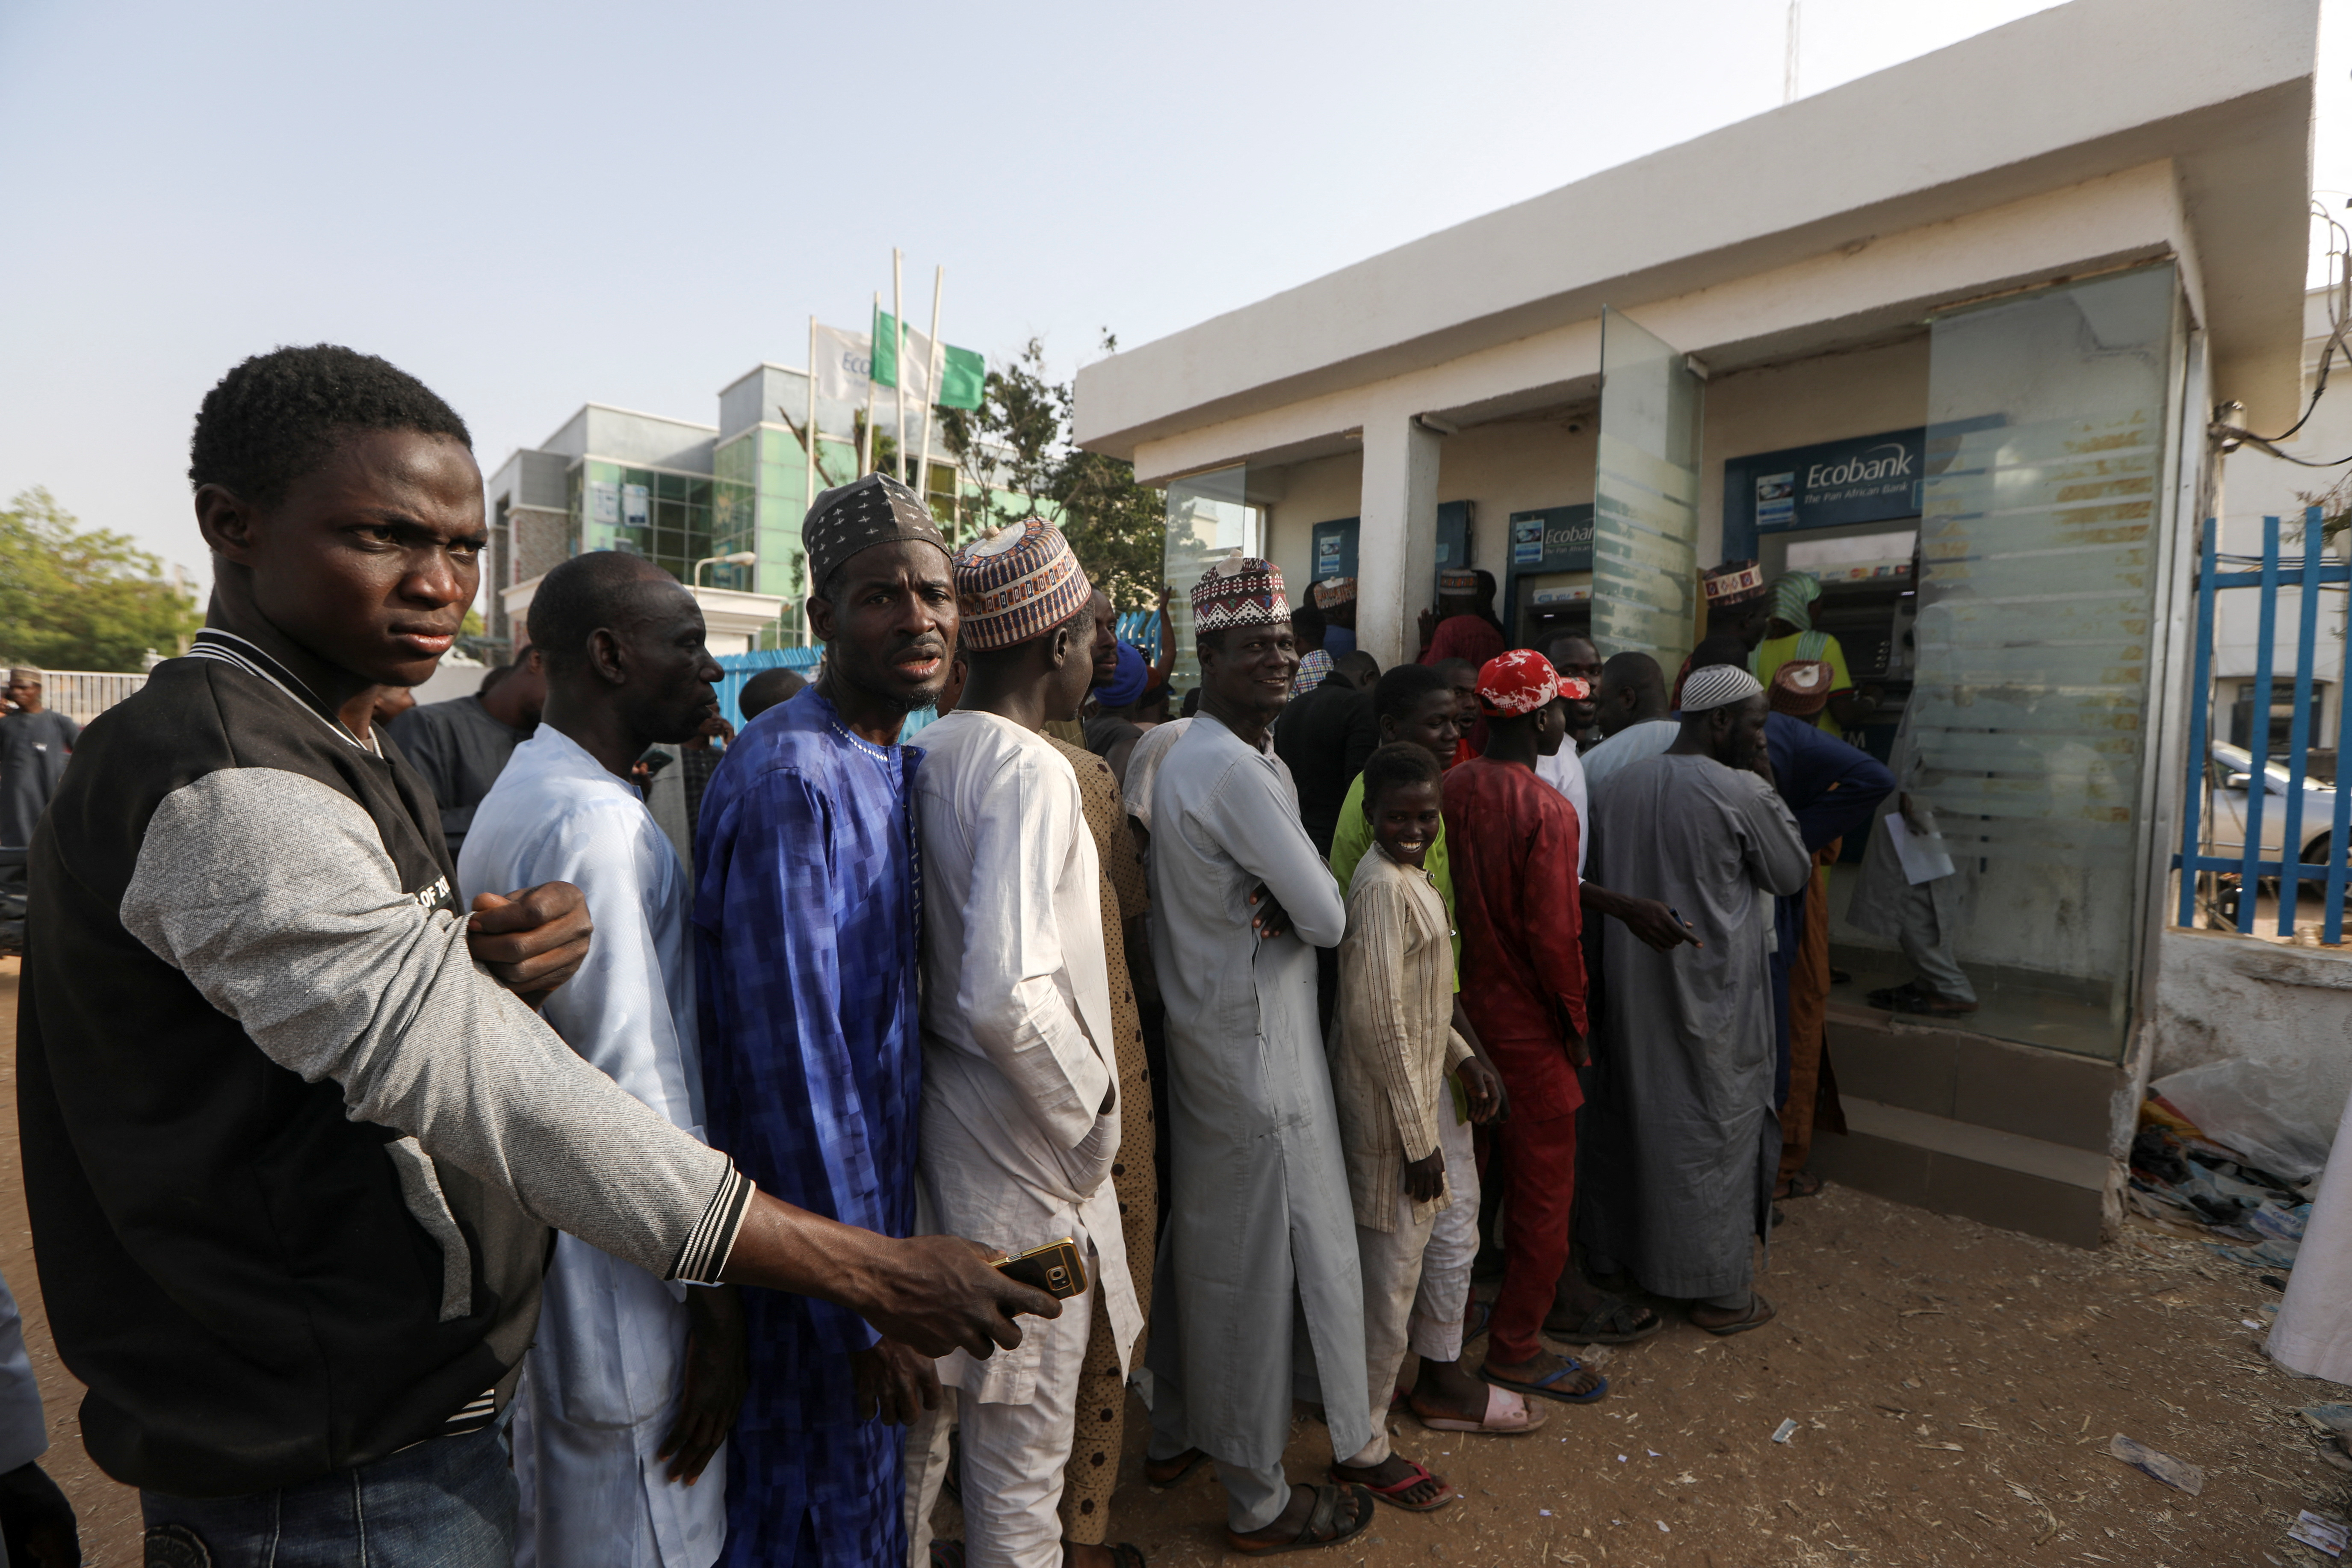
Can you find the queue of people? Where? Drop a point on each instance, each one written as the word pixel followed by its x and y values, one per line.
pixel 555 1195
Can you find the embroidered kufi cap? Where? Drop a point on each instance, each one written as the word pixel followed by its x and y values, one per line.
pixel 1333 592
pixel 875 509
pixel 1457 584
pixel 1734 583
pixel 1239 591
pixel 1017 583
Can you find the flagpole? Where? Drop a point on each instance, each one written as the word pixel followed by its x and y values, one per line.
pixel 867 451
pixel 898 355
pixel 932 387
pixel 808 447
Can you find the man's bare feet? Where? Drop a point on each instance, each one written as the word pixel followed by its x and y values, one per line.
pixel 1161 1474
pixel 1448 1388
pixel 1548 1375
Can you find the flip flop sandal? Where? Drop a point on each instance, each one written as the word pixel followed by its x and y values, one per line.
pixel 1542 1386
pixel 1128 1554
pixel 1609 1326
pixel 1322 1526
pixel 1507 1416
pixel 1186 1463
pixel 1393 1493
pixel 1482 1313
pixel 1756 1303
pixel 1804 1184
pixel 946 1554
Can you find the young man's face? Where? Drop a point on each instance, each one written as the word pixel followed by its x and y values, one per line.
pixel 893 628
pixel 1405 818
pixel 1251 671
pixel 1433 724
pixel 1466 700
pixel 1106 642
pixel 1578 657
pixel 370 559
pixel 26 694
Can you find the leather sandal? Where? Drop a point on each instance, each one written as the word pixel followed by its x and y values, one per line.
pixel 1322 1527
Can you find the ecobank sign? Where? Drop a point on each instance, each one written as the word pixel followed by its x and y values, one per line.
pixel 1871 478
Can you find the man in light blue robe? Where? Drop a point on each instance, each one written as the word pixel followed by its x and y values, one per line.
pixel 632 1383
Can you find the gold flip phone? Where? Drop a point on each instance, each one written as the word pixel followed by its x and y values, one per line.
pixel 1056 1269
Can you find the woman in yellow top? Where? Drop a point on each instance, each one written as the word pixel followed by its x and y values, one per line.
pixel 1789 637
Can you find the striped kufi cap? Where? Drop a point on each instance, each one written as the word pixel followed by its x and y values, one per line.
pixel 1239 591
pixel 1718 686
pixel 1016 584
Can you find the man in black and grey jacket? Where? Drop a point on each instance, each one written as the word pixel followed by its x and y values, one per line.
pixel 291 1129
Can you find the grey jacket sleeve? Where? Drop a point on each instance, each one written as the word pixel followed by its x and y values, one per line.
pixel 273 894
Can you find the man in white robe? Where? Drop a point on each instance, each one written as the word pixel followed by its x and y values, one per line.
pixel 1021 1116
pixel 632 1384
pixel 1261 1228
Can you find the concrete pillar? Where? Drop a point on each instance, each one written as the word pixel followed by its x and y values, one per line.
pixel 1396 543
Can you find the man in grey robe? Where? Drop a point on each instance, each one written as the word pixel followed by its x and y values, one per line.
pixel 1924 917
pixel 1683 1141
pixel 33 745
pixel 1258 1282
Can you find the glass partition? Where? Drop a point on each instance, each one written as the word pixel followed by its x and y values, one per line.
pixel 1645 496
pixel 1209 517
pixel 2027 730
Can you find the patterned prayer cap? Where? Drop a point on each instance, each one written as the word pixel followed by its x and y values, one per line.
pixel 1792 599
pixel 1517 683
pixel 1017 583
pixel 1457 584
pixel 1718 686
pixel 875 509
pixel 1734 583
pixel 1333 592
pixel 1239 591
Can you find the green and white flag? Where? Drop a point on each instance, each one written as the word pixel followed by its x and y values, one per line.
pixel 963 373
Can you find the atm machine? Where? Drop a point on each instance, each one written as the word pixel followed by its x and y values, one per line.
pixel 1549 587
pixel 1848 512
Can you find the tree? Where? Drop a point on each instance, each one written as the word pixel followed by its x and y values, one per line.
pixel 71 599
pixel 1014 452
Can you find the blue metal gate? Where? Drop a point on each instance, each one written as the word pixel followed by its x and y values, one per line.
pixel 2303 577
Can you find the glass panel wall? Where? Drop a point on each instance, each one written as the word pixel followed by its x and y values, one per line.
pixel 1209 517
pixel 1645 496
pixel 666 517
pixel 2026 733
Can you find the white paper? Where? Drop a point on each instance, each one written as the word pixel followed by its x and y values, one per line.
pixel 2324 1534
pixel 1921 859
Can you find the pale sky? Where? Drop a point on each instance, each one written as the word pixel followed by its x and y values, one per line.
pixel 535 206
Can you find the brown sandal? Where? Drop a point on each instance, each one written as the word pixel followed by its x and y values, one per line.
pixel 1322 1526
pixel 1759 1313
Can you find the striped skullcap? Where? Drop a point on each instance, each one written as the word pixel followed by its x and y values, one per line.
pixel 1718 686
pixel 1239 591
pixel 1017 584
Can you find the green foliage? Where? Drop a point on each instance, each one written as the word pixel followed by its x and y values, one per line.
pixel 76 600
pixel 1014 454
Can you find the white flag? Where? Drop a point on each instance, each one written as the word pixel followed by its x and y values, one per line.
pixel 844 365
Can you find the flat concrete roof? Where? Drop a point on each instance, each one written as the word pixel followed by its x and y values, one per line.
pixel 2220 88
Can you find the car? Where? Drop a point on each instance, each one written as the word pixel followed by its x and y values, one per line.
pixel 2229 773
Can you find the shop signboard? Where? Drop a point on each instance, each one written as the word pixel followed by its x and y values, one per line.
pixel 637 506
pixel 1868 479
pixel 1335 549
pixel 1552 539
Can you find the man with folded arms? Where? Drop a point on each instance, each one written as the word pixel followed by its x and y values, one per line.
pixel 291 1133
pixel 1021 1103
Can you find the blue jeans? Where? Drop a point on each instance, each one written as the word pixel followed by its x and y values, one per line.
pixel 448 1502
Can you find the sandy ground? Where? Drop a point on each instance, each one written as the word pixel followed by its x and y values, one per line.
pixel 1954 1388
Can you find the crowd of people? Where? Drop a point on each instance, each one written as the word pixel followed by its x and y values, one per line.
pixel 422 1141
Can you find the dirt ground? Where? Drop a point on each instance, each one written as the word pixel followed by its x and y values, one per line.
pixel 1954 1388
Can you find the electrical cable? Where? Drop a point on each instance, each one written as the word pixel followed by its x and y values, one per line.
pixel 2339 319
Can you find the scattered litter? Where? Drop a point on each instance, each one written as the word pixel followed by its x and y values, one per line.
pixel 1545 1511
pixel 2319 1531
pixel 2172 1472
pixel 2329 1417
pixel 1782 1432
pixel 1665 1528
pixel 1620 1459
pixel 1653 1453
pixel 2250 1322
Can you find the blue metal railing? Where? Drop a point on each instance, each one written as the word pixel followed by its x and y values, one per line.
pixel 2251 865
